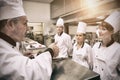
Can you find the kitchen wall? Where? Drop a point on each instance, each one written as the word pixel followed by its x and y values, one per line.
pixel 38 12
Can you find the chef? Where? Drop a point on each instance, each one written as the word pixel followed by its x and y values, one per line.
pixel 62 40
pixel 107 52
pixel 82 52
pixel 13 65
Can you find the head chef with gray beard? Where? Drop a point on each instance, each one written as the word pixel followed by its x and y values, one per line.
pixel 13 65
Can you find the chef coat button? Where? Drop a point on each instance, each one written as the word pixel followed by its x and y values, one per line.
pixel 102 69
pixel 95 66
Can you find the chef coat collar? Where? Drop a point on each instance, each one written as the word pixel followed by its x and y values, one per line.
pixel 82 45
pixel 60 34
pixel 7 38
pixel 109 44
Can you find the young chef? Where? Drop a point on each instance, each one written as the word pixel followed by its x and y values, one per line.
pixel 62 40
pixel 107 53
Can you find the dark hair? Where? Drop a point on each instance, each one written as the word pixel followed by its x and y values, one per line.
pixel 107 26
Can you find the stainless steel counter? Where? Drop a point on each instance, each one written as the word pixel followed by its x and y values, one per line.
pixel 69 70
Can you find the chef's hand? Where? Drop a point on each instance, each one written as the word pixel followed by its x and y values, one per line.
pixel 55 49
pixel 29 54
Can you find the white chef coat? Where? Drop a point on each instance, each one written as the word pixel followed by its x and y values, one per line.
pixel 83 55
pixel 15 66
pixel 64 43
pixel 107 61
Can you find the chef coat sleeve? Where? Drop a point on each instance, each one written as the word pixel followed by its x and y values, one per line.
pixel 90 57
pixel 19 67
pixel 69 45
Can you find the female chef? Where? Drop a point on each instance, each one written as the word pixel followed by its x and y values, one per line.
pixel 107 52
pixel 82 52
pixel 13 65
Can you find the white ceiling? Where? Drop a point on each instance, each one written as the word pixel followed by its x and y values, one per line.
pixel 42 1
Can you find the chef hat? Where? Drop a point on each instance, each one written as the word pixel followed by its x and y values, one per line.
pixel 60 22
pixel 11 9
pixel 114 20
pixel 81 27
